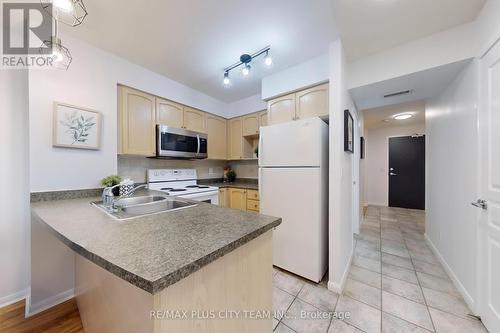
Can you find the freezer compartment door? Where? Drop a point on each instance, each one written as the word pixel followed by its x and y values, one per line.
pixel 296 143
pixel 299 197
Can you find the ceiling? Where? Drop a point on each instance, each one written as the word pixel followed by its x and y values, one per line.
pixel 370 26
pixel 382 117
pixel 423 85
pixel 193 41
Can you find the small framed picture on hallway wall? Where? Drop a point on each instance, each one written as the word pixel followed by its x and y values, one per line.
pixel 348 132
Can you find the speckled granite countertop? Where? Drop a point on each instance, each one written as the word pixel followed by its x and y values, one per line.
pixel 151 252
pixel 249 184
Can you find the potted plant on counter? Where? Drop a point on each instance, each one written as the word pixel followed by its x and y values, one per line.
pixel 229 174
pixel 112 181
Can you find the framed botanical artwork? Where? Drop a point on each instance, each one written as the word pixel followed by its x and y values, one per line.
pixel 348 132
pixel 76 127
pixel 362 147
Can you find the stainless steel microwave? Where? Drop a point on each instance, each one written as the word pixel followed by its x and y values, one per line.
pixel 180 143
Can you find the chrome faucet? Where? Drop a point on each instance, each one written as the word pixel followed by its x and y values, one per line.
pixel 108 199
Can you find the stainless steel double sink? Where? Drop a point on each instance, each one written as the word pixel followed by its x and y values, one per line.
pixel 137 206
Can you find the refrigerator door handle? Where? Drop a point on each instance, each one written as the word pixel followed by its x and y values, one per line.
pixel 260 148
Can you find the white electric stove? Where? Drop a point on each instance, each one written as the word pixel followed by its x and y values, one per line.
pixel 182 183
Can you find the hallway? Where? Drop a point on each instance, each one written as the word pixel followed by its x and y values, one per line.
pixel 395 284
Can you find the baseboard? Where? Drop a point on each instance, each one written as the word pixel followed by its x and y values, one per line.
pixel 13 298
pixel 376 204
pixel 338 287
pixel 461 289
pixel 33 309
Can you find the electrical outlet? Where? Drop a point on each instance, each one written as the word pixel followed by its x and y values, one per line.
pixel 210 171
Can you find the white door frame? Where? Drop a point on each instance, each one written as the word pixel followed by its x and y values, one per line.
pixel 356 203
pixel 483 216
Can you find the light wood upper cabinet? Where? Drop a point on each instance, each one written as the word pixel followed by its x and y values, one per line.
pixel 194 120
pixel 137 122
pixel 238 198
pixel 236 139
pixel 217 137
pixel 312 102
pixel 263 118
pixel 281 110
pixel 169 113
pixel 251 125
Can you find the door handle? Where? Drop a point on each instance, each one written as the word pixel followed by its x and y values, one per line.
pixel 392 174
pixel 480 203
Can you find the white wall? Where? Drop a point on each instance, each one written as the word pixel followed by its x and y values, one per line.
pixel 14 191
pixel 488 25
pixel 91 82
pixel 340 178
pixel 436 50
pixel 377 161
pixel 303 75
pixel 247 105
pixel 452 143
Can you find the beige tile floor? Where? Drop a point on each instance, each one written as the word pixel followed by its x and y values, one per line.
pixel 395 284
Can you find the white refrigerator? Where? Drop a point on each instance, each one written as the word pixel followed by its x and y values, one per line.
pixel 293 185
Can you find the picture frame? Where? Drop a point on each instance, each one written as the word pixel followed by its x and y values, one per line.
pixel 362 147
pixel 348 132
pixel 76 127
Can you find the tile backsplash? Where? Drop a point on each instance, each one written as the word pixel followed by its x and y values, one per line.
pixel 245 169
pixel 135 167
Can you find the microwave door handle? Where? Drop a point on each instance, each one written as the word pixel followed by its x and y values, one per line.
pixel 198 150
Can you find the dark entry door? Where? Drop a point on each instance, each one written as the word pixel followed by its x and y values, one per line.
pixel 407 172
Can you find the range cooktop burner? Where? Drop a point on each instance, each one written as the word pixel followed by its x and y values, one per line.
pixel 196 186
pixel 178 190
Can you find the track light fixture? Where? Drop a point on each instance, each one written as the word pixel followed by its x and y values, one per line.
pixel 245 60
pixel 227 81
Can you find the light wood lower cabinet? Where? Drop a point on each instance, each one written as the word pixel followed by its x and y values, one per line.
pixel 224 198
pixel 240 280
pixel 238 198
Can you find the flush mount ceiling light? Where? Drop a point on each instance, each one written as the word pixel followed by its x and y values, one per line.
pixel 245 60
pixel 70 12
pixel 402 116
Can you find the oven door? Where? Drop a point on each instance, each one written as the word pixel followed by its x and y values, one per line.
pixel 211 197
pixel 180 143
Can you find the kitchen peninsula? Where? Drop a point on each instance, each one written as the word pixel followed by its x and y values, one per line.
pixel 166 272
